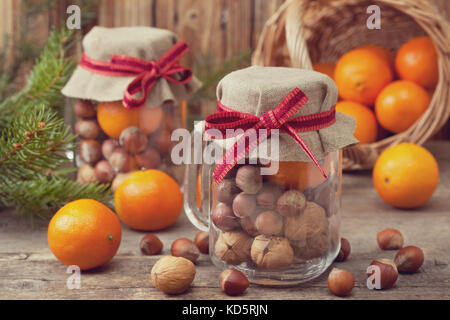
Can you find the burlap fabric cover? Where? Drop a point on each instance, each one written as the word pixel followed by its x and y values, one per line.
pixel 258 89
pixel 140 42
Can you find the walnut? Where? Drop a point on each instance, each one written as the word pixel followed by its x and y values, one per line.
pixel 310 223
pixel 271 252
pixel 233 247
pixel 313 247
pixel 291 203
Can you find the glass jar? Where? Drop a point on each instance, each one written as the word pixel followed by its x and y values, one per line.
pixel 279 229
pixel 115 141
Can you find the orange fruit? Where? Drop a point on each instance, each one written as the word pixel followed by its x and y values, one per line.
pixel 85 233
pixel 366 123
pixel 299 175
pixel 361 74
pixel 382 52
pixel 148 200
pixel 325 68
pixel 406 175
pixel 400 104
pixel 113 118
pixel 417 61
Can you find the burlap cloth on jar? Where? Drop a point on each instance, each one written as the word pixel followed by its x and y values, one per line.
pixel 256 90
pixel 140 42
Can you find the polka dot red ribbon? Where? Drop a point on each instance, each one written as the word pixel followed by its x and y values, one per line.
pixel 278 118
pixel 147 72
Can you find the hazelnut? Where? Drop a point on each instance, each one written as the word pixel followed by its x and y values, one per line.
pixel 249 179
pixel 291 203
pixel 90 151
pixel 104 172
pixel 271 252
pixel 120 177
pixel 185 248
pixel 87 129
pixel 244 205
pixel 268 196
pixel 150 244
pixel 121 161
pixel 86 174
pixel 173 275
pixel 148 159
pixel 202 242
pixel 344 252
pixel 388 273
pixel 84 109
pixel 108 147
pixel 226 190
pixel 409 259
pixel 161 140
pixel 133 140
pixel 269 223
pixel 340 282
pixel 248 225
pixel 233 247
pixel 310 223
pixel 223 217
pixel 313 247
pixel 390 239
pixel 233 282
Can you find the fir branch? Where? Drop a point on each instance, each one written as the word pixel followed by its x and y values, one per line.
pixel 44 194
pixel 49 75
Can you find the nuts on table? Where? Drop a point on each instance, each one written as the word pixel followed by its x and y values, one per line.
pixel 150 244
pixel 388 273
pixel 268 196
pixel 291 203
pixel 271 252
pixel 202 242
pixel 269 223
pixel 185 248
pixel 244 205
pixel 390 239
pixel 233 247
pixel 340 282
pixel 344 252
pixel 223 217
pixel 233 282
pixel 409 259
pixel 226 190
pixel 249 179
pixel 133 140
pixel 173 275
pixel 310 223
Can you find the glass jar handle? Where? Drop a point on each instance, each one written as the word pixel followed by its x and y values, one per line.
pixel 198 218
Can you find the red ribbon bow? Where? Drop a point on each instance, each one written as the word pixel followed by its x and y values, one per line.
pixel 147 72
pixel 278 118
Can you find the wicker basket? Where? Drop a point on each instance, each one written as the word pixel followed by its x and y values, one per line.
pixel 303 32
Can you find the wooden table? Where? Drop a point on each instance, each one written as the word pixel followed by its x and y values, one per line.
pixel 28 270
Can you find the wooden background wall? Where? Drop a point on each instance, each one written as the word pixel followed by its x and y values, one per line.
pixel 220 27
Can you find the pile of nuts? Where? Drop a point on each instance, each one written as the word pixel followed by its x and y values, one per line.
pixel 108 160
pixel 265 225
pixel 407 260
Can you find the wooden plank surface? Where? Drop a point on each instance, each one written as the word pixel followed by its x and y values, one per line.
pixel 28 270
